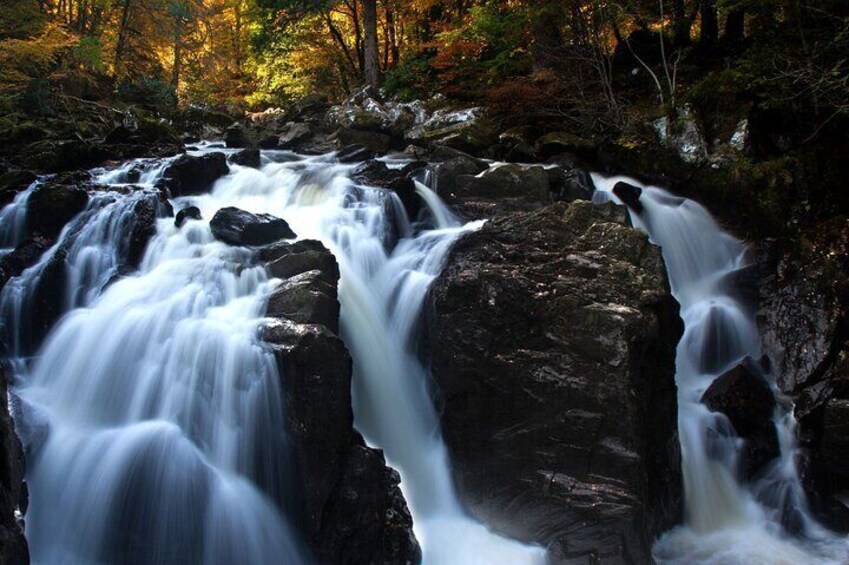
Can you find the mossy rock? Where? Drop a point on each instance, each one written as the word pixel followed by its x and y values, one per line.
pixel 65 155
pixel 19 136
pixel 558 142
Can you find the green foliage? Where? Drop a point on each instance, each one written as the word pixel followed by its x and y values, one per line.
pixel 147 91
pixel 410 80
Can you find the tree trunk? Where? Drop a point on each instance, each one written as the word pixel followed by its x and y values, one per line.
pixel 735 23
pixel 370 54
pixel 121 44
pixel 682 25
pixel 710 24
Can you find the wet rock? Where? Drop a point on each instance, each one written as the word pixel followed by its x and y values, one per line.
pixel 629 195
pixel 187 213
pixel 306 298
pixel 247 158
pixel 354 154
pixel 339 477
pixel 239 227
pixel 832 464
pixel 559 142
pixel 13 182
pixel 145 213
pixel 189 174
pixel 236 136
pixel 803 317
pixel 287 259
pixel 13 545
pixel 52 205
pixel 570 183
pixel 294 133
pixel 744 396
pixel 498 190
pixel 378 174
pixel 552 338
pixel 24 255
pixel 445 173
pixel 375 141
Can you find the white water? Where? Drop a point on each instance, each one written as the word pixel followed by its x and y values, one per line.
pixel 13 221
pixel 151 415
pixel 726 520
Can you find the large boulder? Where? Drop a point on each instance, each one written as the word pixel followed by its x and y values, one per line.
pixel 353 509
pixel 13 545
pixel 52 205
pixel 743 395
pixel 240 227
pixel 499 189
pixel 237 136
pixel 189 174
pixel 552 338
pixel 247 158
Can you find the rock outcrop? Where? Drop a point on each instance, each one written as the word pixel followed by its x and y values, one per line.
pixel 52 205
pixel 240 227
pixel 189 174
pixel 803 315
pixel 353 508
pixel 13 544
pixel 744 396
pixel 552 337
pixel 498 189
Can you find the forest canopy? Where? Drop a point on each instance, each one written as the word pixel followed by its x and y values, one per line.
pixel 560 54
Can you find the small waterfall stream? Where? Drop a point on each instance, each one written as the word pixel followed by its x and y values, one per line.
pixel 726 520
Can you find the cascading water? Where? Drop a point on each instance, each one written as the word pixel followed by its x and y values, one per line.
pixel 727 521
pixel 151 415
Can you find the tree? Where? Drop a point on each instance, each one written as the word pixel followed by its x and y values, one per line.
pixel 371 61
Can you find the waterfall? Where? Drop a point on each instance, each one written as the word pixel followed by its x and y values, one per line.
pixel 726 520
pixel 152 416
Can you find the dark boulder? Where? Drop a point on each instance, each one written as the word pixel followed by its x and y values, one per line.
pixel 552 337
pixel 569 178
pixel 339 476
pixel 558 142
pixel 498 190
pixel 23 256
pixel 745 398
pixel 236 136
pixel 354 154
pixel 52 205
pixel 375 141
pixel 187 213
pixel 13 182
pixel 195 175
pixel 247 158
pixel 239 227
pixel 378 174
pixel 629 195
pixel 445 173
pixel 287 259
pixel 307 298
pixel 293 134
pixel 13 545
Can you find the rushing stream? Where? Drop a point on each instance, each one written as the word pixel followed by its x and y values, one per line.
pixel 726 521
pixel 152 415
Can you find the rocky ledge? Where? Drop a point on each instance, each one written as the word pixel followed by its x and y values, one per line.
pixel 552 336
pixel 354 511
